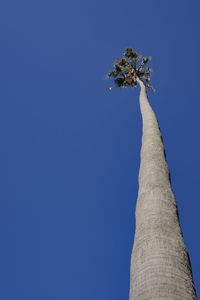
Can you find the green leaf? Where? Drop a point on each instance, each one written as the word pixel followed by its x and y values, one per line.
pixel 149 70
pixel 122 62
pixel 131 54
pixel 119 81
pixel 113 73
pixel 144 62
pixel 150 87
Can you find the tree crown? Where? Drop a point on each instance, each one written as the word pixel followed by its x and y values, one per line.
pixel 126 70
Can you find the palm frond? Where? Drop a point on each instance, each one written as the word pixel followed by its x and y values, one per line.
pixel 131 54
pixel 149 70
pixel 149 86
pixel 143 63
pixel 113 73
pixel 119 81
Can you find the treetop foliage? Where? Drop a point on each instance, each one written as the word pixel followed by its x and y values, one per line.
pixel 126 70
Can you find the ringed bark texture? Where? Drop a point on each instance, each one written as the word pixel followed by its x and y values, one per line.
pixel 160 265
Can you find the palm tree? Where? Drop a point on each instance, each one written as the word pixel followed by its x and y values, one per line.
pixel 160 264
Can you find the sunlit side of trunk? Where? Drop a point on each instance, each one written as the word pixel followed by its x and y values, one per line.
pixel 160 265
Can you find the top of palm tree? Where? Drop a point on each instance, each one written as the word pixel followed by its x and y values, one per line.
pixel 126 70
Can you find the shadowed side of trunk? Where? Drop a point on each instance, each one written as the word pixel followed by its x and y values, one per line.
pixel 160 265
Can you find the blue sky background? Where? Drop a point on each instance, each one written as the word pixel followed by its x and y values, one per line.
pixel 70 147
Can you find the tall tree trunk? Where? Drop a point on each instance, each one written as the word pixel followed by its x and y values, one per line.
pixel 160 265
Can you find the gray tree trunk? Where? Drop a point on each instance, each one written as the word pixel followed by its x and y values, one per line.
pixel 160 265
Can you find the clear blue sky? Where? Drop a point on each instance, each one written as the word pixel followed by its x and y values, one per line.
pixel 70 147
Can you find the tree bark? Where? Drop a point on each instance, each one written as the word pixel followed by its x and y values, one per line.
pixel 160 265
